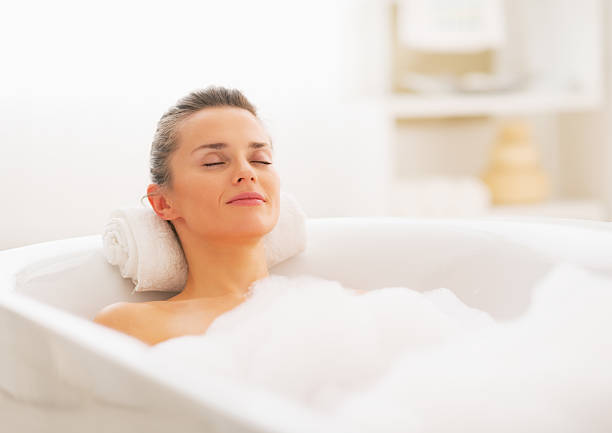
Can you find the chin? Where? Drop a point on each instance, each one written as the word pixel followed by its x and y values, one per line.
pixel 253 227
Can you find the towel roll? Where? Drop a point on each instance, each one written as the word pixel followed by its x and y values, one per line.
pixel 146 250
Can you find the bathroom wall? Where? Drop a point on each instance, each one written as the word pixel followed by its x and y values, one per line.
pixel 84 83
pixel 82 86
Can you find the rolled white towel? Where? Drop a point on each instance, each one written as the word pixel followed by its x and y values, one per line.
pixel 146 250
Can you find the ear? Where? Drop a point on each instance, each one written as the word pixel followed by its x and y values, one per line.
pixel 160 202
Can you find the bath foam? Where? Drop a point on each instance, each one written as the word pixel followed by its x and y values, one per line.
pixel 316 342
pixel 398 360
pixel 550 370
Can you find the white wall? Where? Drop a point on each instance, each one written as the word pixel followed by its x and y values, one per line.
pixel 83 84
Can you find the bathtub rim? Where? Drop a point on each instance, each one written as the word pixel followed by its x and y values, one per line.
pixel 259 409
pixel 255 408
pixel 132 351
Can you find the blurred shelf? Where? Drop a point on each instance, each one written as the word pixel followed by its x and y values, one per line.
pixel 578 208
pixel 507 103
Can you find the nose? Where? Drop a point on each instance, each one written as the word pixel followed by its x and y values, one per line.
pixel 244 173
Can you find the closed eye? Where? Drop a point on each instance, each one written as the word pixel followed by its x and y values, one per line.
pixel 217 163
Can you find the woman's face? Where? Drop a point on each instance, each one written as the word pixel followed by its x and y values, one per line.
pixel 222 152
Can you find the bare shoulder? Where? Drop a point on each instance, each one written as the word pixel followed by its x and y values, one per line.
pixel 156 321
pixel 118 314
pixel 129 318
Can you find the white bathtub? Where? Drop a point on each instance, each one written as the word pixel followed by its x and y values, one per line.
pixel 59 371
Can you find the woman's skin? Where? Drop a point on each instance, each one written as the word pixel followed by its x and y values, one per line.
pixel 223 243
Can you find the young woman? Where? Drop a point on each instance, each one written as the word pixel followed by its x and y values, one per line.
pixel 215 183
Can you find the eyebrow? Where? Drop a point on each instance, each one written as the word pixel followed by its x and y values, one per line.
pixel 252 144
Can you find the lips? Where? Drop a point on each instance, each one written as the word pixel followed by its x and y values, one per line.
pixel 246 196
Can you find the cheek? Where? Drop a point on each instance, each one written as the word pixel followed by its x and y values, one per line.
pixel 201 192
pixel 272 185
pixel 274 179
pixel 275 192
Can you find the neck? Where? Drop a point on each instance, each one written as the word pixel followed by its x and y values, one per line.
pixel 222 270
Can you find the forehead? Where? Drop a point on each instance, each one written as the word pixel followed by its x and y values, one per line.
pixel 220 124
